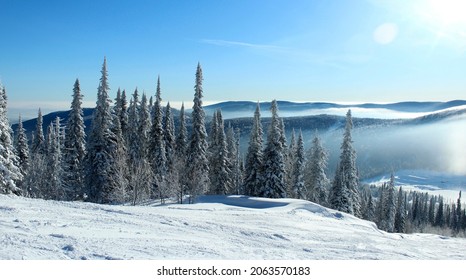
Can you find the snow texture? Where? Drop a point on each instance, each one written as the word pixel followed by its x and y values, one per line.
pixel 216 227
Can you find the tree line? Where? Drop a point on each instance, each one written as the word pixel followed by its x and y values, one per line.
pixel 134 153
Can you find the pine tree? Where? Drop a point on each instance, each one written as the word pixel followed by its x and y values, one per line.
pixel 274 159
pixel 253 177
pixel 457 215
pixel 101 172
pixel 157 148
pixel 75 147
pixel 144 126
pixel 315 176
pixel 299 190
pixel 22 148
pixel 348 173
pixel 38 145
pixel 197 163
pixel 10 173
pixel 339 195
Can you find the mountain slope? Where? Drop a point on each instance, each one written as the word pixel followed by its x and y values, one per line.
pixel 217 227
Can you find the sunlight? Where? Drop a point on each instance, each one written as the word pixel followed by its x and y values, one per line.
pixel 447 12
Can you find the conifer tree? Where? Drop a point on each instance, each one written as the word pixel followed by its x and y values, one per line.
pixel 220 181
pixel 253 177
pixel 169 137
pixel 157 147
pixel 315 176
pixel 38 145
pixel 54 187
pixel 400 216
pixel 197 163
pixel 22 148
pixel 234 161
pixel 101 172
pixel 457 215
pixel 347 173
pixel 10 173
pixel 299 190
pixel 75 147
pixel 133 140
pixel 144 126
pixel 390 206
pixel 274 159
pixel 290 159
pixel 180 156
pixel 439 217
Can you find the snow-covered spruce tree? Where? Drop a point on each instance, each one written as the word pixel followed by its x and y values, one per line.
pixel 439 217
pixel 290 158
pixel 339 198
pixel 75 147
pixel 369 211
pixel 169 137
pixel 157 149
pixel 133 140
pixel 101 172
pixel 38 144
pixel 10 173
pixel 180 156
pixel 347 174
pixel 22 148
pixel 274 159
pixel 144 126
pixel 400 216
pixel 220 181
pixel 390 206
pixel 457 216
pixel 299 189
pixel 122 111
pixel 234 160
pixel 54 186
pixel 315 178
pixel 253 177
pixel 197 163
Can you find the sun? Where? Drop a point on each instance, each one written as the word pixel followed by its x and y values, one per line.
pixel 446 12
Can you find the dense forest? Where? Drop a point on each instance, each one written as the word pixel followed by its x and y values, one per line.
pixel 133 153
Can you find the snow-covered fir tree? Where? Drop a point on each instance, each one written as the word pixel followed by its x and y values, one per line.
pixel 133 140
pixel 38 143
pixel 197 163
pixel 347 175
pixel 101 172
pixel 169 137
pixel 180 157
pixel 400 216
pixel 157 147
pixel 290 158
pixel 219 172
pixel 274 158
pixel 316 179
pixel 54 187
pixel 22 147
pixel 75 147
pixel 253 169
pixel 234 160
pixel 298 187
pixel 390 206
pixel 10 173
pixel 144 125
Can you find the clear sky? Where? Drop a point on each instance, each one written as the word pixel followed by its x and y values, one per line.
pixel 312 50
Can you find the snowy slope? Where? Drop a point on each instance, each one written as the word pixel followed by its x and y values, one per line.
pixel 434 183
pixel 216 227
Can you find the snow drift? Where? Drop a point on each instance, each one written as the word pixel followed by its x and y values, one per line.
pixel 216 227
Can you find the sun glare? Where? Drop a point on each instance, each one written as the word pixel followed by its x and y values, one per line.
pixel 447 12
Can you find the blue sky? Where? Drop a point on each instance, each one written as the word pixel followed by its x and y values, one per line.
pixel 314 50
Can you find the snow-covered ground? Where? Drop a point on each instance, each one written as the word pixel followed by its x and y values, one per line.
pixel 434 183
pixel 217 227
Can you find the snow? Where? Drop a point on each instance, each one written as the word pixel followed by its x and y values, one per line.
pixel 216 227
pixel 433 182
